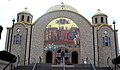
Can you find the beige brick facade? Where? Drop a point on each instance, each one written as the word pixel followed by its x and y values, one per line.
pixel 32 45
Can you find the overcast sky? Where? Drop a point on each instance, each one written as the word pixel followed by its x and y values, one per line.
pixel 87 8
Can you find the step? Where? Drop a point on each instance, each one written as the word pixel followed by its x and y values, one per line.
pixel 47 66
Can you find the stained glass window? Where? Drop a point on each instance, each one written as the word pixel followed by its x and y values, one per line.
pixel 106 41
pixel 17 39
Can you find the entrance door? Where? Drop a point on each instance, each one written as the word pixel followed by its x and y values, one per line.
pixel 58 55
pixel 49 57
pixel 74 57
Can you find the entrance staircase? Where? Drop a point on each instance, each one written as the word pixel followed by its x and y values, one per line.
pixel 46 66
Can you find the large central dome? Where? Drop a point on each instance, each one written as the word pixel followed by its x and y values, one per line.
pixel 62 6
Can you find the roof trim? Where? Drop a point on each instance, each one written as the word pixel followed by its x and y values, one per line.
pixel 98 28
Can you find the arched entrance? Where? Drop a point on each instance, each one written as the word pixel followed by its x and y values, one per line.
pixel 59 55
pixel 49 57
pixel 74 57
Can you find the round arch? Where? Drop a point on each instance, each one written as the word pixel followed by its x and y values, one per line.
pixel 74 57
pixel 41 23
pixel 49 57
pixel 39 26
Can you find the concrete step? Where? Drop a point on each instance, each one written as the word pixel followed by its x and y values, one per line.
pixel 47 66
pixel 103 68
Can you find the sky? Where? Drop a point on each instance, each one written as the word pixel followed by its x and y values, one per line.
pixel 10 8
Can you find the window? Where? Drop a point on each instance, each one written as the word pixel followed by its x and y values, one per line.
pixel 28 18
pixel 95 20
pixel 106 41
pixel 22 18
pixel 17 39
pixel 106 21
pixel 17 18
pixel 102 20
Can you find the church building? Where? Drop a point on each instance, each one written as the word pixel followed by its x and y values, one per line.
pixel 62 31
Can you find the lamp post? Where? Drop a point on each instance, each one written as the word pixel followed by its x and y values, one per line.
pixel 11 35
pixel 115 39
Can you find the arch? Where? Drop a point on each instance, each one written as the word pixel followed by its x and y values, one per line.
pixel 41 23
pixel 22 18
pixel 98 28
pixel 28 18
pixel 17 18
pixel 74 57
pixel 96 20
pixel 58 54
pixel 102 20
pixel 49 57
pixel 65 15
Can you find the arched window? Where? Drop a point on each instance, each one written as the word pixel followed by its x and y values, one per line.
pixel 28 18
pixel 95 20
pixel 102 20
pixel 22 18
pixel 106 21
pixel 17 39
pixel 17 18
pixel 106 41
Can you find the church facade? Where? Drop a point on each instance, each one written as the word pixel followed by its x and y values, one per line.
pixel 61 29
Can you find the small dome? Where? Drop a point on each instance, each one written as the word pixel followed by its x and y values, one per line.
pixel 99 14
pixel 25 12
pixel 62 6
pixel 99 18
pixel 24 16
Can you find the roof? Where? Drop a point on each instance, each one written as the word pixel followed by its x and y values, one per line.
pixel 99 14
pixel 62 6
pixel 25 12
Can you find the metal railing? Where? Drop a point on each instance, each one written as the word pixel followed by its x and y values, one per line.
pixel 93 67
pixel 34 67
pixel 88 61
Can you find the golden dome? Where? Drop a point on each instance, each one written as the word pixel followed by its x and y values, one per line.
pixel 62 6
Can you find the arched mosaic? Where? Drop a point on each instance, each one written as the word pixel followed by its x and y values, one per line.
pixel 61 31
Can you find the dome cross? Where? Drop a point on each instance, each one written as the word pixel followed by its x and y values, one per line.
pixel 98 10
pixel 25 8
pixel 62 5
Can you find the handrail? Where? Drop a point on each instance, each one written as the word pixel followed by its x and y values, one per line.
pixel 93 66
pixel 9 63
pixel 90 63
pixel 34 66
pixel 118 65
